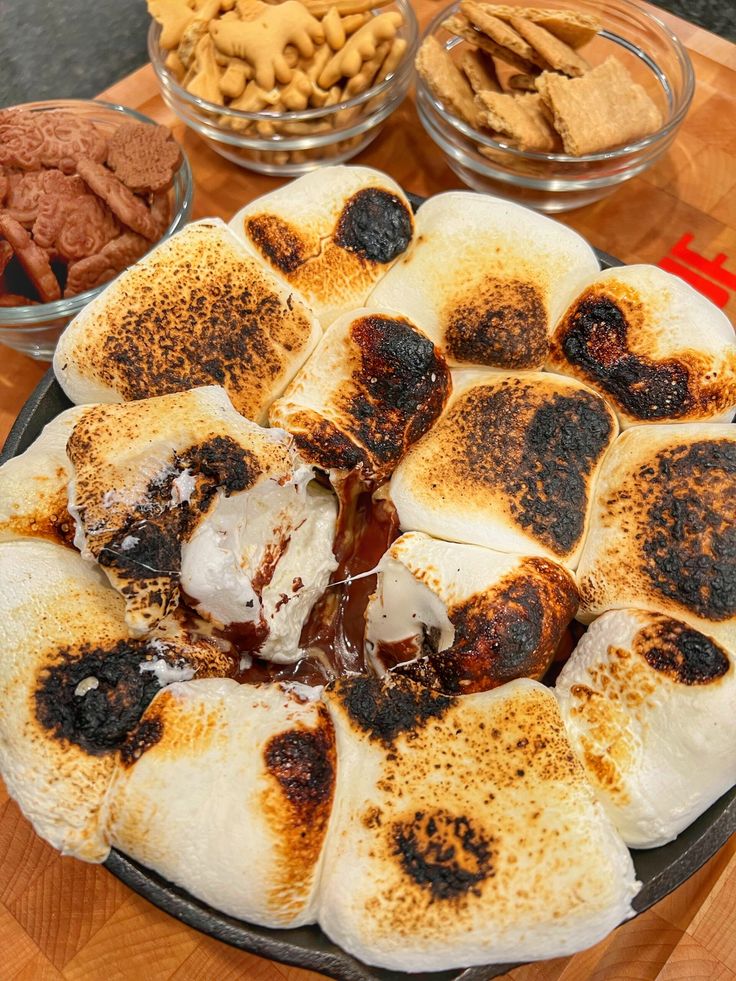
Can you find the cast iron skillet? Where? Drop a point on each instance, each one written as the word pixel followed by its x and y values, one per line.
pixel 659 869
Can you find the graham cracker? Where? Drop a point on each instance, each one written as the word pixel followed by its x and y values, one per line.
pixel 479 71
pixel 518 82
pixel 445 80
pixel 603 109
pixel 555 52
pixel 571 26
pixel 505 71
pixel 500 32
pixel 518 117
pixel 460 26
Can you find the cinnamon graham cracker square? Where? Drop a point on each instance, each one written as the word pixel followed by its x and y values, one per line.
pixel 556 53
pixel 479 71
pixel 501 32
pixel 445 80
pixel 602 109
pixel 519 118
pixel 460 26
pixel 571 26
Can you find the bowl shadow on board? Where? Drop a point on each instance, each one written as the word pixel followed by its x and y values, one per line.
pixel 661 870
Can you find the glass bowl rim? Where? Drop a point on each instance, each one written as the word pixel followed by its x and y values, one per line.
pixel 405 66
pixel 621 152
pixel 39 316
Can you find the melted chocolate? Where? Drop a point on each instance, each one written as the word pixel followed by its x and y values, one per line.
pixel 365 529
pixel 333 633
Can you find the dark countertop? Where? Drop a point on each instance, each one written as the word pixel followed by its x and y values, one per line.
pixel 77 48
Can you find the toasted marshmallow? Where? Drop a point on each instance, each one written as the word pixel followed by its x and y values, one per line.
pixel 264 561
pixel 33 486
pixel 73 687
pixel 331 234
pixel 663 528
pixel 658 350
pixel 461 618
pixel 650 709
pixel 373 386
pixel 183 489
pixel 196 310
pixel 464 831
pixel 487 279
pixel 231 800
pixel 510 465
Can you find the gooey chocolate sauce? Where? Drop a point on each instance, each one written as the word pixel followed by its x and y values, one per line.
pixel 333 634
pixel 332 637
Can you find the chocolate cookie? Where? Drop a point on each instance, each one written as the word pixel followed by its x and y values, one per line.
pixel 129 209
pixel 143 157
pixel 33 258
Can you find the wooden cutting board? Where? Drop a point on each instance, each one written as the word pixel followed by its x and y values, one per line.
pixel 60 918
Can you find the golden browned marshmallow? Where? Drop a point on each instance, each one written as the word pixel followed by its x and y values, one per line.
pixel 486 279
pixel 233 799
pixel 654 347
pixel 33 486
pixel 331 234
pixel 74 686
pixel 511 465
pixel 464 830
pixel 648 704
pixel 197 310
pixel 663 528
pixel 374 385
pixel 460 618
pixel 51 599
pixel 148 474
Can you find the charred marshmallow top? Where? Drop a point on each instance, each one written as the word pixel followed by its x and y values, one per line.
pixel 183 492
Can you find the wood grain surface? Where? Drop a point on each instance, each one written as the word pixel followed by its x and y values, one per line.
pixel 60 918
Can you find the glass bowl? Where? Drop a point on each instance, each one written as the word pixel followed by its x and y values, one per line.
pixel 35 329
pixel 295 142
pixel 554 182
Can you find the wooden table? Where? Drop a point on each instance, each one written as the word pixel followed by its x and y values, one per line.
pixel 60 918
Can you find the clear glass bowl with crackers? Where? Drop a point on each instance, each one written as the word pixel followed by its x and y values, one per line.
pixel 69 221
pixel 281 88
pixel 552 106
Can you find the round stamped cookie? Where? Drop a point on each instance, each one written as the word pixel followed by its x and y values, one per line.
pixel 143 157
pixel 21 140
pixel 50 139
